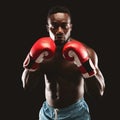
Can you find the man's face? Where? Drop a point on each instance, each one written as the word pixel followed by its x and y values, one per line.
pixel 59 27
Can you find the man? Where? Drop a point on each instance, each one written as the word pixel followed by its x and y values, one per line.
pixel 70 68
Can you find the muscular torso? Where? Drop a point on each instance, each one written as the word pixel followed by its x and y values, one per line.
pixel 64 84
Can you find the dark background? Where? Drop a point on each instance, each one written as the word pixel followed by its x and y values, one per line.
pixel 23 22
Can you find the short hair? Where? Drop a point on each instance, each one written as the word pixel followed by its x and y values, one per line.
pixel 58 8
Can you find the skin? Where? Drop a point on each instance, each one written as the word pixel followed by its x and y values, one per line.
pixel 64 83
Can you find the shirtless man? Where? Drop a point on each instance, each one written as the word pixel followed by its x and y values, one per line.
pixel 69 68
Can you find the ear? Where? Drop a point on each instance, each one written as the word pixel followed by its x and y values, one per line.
pixel 71 26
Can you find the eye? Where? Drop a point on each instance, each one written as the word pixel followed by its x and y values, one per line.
pixel 55 25
pixel 64 25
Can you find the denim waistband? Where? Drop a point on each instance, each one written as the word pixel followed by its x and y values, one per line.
pixel 70 107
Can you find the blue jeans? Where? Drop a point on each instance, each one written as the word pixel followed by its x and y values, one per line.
pixel 76 111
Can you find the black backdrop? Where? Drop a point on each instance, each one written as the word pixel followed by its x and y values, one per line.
pixel 22 22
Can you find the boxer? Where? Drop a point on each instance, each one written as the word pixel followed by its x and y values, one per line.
pixel 69 67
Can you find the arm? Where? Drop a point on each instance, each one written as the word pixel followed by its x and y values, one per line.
pixel 44 48
pixel 96 84
pixel 34 90
pixel 87 62
pixel 31 80
pixel 33 77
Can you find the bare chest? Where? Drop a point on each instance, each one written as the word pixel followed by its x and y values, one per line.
pixel 62 71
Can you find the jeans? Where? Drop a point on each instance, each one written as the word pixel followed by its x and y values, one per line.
pixel 76 111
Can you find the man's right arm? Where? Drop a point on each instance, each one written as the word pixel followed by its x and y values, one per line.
pixel 34 92
pixel 43 48
pixel 31 80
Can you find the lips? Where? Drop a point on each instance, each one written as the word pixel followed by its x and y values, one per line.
pixel 59 37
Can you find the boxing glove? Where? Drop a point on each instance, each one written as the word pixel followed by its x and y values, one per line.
pixel 75 51
pixel 43 48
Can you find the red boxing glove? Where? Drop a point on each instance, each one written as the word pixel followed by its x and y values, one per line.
pixel 76 52
pixel 43 48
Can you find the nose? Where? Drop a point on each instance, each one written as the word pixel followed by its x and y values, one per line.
pixel 60 30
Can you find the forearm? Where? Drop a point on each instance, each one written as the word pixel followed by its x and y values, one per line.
pixel 31 80
pixel 25 76
pixel 96 85
pixel 100 81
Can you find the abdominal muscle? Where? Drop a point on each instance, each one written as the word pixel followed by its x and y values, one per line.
pixel 64 84
pixel 61 93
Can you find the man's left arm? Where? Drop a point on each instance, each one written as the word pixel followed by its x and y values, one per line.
pixel 87 62
pixel 95 84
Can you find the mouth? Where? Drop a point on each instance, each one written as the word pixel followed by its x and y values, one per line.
pixel 59 37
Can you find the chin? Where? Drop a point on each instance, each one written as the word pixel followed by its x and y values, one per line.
pixel 59 42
